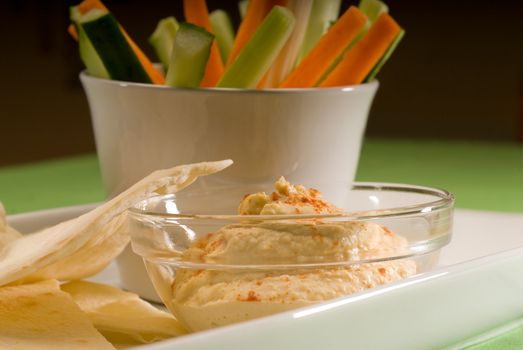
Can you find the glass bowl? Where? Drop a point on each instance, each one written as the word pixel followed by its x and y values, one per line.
pixel 212 267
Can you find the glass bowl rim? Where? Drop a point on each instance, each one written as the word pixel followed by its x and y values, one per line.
pixel 445 199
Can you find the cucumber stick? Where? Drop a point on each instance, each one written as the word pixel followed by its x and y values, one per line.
pixel 223 31
pixel 162 39
pixel 88 54
pixel 119 59
pixel 385 57
pixel 191 50
pixel 261 50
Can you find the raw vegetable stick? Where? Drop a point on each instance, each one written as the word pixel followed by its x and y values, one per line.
pixel 359 61
pixel 309 72
pixel 260 52
pixel 242 8
pixel 223 31
pixel 112 47
pixel 196 13
pixel 256 12
pixel 191 50
pixel 162 39
pixel 323 14
pixel 284 63
pixel 385 56
pixel 88 54
pixel 87 5
pixel 372 9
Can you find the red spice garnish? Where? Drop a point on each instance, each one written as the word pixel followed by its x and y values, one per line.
pixel 387 231
pixel 251 296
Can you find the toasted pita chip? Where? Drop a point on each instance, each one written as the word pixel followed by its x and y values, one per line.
pixel 23 258
pixel 7 233
pixel 122 317
pixel 41 316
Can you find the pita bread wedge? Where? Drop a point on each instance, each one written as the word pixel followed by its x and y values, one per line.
pixel 23 258
pixel 93 257
pixel 41 316
pixel 122 317
pixel 7 233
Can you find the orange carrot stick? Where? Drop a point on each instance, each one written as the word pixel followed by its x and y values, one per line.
pixel 196 12
pixel 87 5
pixel 153 73
pixel 360 59
pixel 256 12
pixel 72 31
pixel 324 53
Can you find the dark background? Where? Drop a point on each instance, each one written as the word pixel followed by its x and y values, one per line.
pixel 457 74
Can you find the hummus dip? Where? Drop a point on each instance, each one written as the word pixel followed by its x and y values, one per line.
pixel 210 298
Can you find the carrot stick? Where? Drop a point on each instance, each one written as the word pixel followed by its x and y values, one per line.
pixel 329 47
pixel 72 32
pixel 256 12
pixel 153 73
pixel 196 12
pixel 363 56
pixel 87 5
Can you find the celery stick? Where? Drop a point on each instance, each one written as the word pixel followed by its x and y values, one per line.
pixel 385 56
pixel 286 59
pixel 242 7
pixel 323 14
pixel 261 50
pixel 191 50
pixel 162 39
pixel 373 9
pixel 222 30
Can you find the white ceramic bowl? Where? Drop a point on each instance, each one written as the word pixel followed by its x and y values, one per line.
pixel 305 134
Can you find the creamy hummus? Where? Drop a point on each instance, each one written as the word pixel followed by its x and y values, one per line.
pixel 209 298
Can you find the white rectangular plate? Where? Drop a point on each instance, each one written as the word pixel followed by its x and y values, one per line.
pixel 477 287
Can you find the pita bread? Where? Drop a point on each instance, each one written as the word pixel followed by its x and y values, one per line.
pixel 92 258
pixel 41 316
pixel 122 317
pixel 24 257
pixel 7 233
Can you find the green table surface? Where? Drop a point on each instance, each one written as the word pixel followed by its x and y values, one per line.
pixel 484 176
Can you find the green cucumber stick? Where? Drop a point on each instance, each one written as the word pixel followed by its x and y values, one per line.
pixel 385 56
pixel 93 63
pixel 162 39
pixel 117 55
pixel 261 50
pixel 323 14
pixel 191 50
pixel 223 31
pixel 242 7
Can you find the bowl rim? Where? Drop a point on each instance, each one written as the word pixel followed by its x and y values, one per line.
pixel 445 199
pixel 370 86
